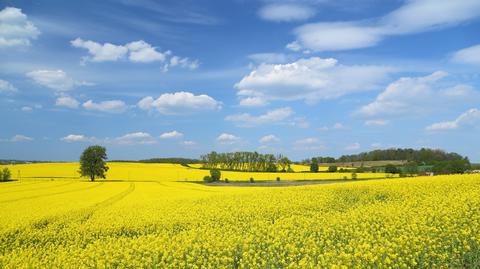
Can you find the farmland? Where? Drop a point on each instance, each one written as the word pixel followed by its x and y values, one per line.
pixel 144 215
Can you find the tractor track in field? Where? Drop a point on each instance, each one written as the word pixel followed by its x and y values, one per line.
pixel 62 220
pixel 19 184
pixel 37 188
pixel 51 194
pixel 82 215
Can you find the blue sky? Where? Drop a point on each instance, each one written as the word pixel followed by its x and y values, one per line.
pixel 181 78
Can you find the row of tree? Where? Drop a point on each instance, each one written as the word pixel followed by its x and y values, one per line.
pixel 246 161
pixel 423 156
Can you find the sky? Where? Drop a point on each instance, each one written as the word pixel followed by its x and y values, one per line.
pixel 302 78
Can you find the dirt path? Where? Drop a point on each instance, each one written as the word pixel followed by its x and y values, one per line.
pixel 281 183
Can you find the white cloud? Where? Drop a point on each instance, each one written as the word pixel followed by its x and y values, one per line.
pixel 20 138
pixel 459 90
pixel 469 118
pixel 269 139
pixel 15 28
pixel 67 101
pixel 141 51
pixel 406 95
pixel 271 58
pixel 309 143
pixel 170 135
pixel 311 79
pixel 353 146
pixel 226 138
pixel 188 143
pixel 56 80
pixel 470 55
pixel 378 122
pixel 77 138
pixel 134 138
pixel 179 103
pixel 112 106
pixel 7 87
pixel 26 108
pixel 137 51
pixel 253 102
pixel 182 62
pixel 326 36
pixel 100 52
pixel 285 12
pixel 413 17
pixel 272 116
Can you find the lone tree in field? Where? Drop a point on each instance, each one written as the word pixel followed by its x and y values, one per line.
pixel 314 165
pixel 92 162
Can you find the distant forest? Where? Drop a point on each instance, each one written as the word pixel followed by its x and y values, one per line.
pixel 422 156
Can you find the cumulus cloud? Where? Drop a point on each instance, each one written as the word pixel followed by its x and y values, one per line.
pixel 311 80
pixel 253 102
pixel 226 139
pixel 378 122
pixel 170 135
pixel 470 55
pixel 67 101
pixel 137 52
pixel 77 138
pixel 272 116
pixel 184 62
pixel 7 87
pixel 100 52
pixel 353 146
pixel 20 138
pixel 112 106
pixel 269 139
pixel 309 143
pixel 286 12
pixel 469 118
pixel 26 108
pixel 406 95
pixel 15 28
pixel 56 80
pixel 413 17
pixel 134 138
pixel 141 51
pixel 179 103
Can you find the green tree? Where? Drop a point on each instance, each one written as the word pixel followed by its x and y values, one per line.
pixel 215 174
pixel 5 174
pixel 332 168
pixel 92 162
pixel 392 169
pixel 314 165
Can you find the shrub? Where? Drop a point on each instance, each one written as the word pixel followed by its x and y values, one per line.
pixel 207 178
pixel 391 169
pixel 226 180
pixel 252 180
pixel 354 175
pixel 314 167
pixel 215 174
pixel 332 169
pixel 5 174
pixel 278 178
pixel 345 177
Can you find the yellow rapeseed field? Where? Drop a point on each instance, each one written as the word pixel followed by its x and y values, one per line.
pixel 166 172
pixel 142 217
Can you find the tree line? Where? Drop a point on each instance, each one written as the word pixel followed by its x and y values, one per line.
pixel 246 161
pixel 423 156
